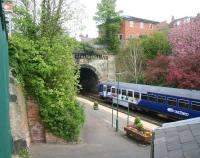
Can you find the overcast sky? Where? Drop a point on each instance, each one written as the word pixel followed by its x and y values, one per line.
pixel 157 10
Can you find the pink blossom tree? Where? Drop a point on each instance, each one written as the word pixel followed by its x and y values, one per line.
pixel 184 68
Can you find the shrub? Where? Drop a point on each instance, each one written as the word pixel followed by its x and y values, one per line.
pixel 50 75
pixel 140 126
pixel 137 121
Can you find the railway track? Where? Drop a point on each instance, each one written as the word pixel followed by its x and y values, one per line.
pixel 149 117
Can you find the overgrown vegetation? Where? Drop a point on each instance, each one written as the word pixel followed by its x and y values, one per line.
pixel 43 61
pixel 109 21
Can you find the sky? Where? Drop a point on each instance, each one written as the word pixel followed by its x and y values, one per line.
pixel 157 10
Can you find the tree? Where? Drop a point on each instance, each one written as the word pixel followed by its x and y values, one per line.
pixel 131 61
pixel 44 63
pixel 156 43
pixel 184 72
pixel 109 24
pixel 157 70
pixel 184 69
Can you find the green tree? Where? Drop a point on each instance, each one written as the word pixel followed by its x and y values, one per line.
pixel 109 21
pixel 156 43
pixel 47 69
pixel 131 60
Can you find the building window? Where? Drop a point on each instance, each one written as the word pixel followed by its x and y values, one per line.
pixel 150 26
pixel 120 36
pixel 141 25
pixel 131 23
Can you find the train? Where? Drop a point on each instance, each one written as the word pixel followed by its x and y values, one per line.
pixel 169 102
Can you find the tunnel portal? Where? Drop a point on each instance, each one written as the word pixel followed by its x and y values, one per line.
pixel 88 80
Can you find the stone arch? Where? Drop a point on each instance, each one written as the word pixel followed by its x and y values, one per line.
pixel 89 78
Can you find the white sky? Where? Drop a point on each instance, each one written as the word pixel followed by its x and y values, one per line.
pixel 157 10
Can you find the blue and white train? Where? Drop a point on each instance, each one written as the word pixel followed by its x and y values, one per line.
pixel 174 102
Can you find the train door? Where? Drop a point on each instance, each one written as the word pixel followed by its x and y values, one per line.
pixel 136 97
pixel 108 91
pixel 113 91
pixel 104 90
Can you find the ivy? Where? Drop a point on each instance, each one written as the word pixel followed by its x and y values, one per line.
pixel 50 75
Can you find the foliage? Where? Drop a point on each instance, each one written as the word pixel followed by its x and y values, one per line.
pixel 109 21
pixel 23 153
pixel 157 70
pixel 44 63
pixel 140 126
pixel 156 43
pixel 185 39
pixel 137 120
pixel 184 68
pixel 23 22
pixel 184 71
pixel 52 79
pixel 131 60
pixel 96 104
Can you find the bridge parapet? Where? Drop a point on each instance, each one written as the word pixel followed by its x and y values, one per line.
pixel 103 64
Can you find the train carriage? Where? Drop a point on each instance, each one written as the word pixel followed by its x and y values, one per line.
pixel 174 102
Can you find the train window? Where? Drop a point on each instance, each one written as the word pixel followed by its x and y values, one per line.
pixel 196 106
pixel 171 101
pixel 123 92
pixel 144 96
pixel 183 103
pixel 118 91
pixel 152 98
pixel 130 93
pixel 113 90
pixel 109 89
pixel 161 99
pixel 136 95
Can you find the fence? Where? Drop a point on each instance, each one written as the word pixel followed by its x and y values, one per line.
pixel 5 133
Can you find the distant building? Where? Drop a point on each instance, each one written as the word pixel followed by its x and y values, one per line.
pixel 181 21
pixel 133 27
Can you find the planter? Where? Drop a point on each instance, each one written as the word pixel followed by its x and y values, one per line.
pixel 145 135
pixel 95 107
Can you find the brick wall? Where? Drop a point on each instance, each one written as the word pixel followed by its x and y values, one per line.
pixel 135 31
pixel 37 129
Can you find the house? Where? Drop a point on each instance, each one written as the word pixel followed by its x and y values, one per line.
pixel 181 21
pixel 133 27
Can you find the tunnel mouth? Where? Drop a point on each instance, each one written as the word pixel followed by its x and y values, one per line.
pixel 88 81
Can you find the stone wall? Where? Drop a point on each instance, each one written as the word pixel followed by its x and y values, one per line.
pixel 18 117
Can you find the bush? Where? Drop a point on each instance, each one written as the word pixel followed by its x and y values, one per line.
pixel 140 126
pixel 95 105
pixel 50 75
pixel 137 120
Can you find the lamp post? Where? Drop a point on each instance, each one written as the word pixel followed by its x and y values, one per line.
pixel 117 118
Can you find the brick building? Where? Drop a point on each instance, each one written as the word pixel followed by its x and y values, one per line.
pixel 132 27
